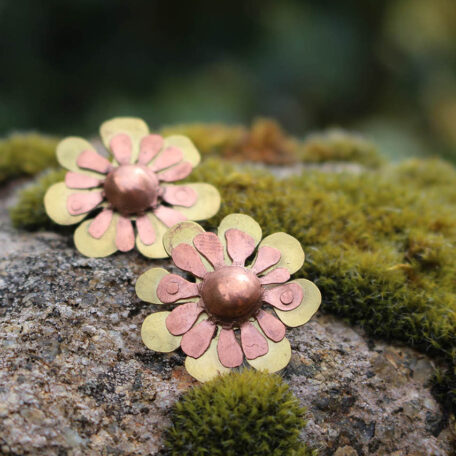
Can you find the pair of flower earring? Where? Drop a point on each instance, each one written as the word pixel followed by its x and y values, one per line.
pixel 219 318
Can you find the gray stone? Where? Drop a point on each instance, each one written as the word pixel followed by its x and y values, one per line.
pixel 75 378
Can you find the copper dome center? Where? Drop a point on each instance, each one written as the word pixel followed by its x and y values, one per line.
pixel 131 189
pixel 231 293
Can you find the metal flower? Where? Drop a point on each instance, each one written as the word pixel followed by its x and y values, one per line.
pixel 133 187
pixel 226 304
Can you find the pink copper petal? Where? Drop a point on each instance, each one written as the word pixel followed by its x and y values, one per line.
pixel 271 326
pixel 209 245
pixel 76 180
pixel 182 318
pixel 121 147
pixel 196 341
pixel 169 216
pixel 89 159
pixel 284 297
pixel 125 235
pixel 100 224
pixel 228 349
pixel 279 275
pixel 80 203
pixel 169 157
pixel 176 173
pixel 149 147
pixel 180 195
pixel 145 230
pixel 187 258
pixel 239 245
pixel 253 342
pixel 173 287
pixel 267 257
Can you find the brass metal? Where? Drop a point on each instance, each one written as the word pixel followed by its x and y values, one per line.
pixel 131 189
pixel 231 293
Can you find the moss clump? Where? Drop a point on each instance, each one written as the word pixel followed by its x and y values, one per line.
pixel 247 413
pixel 29 211
pixel 26 154
pixel 339 146
pixel 266 142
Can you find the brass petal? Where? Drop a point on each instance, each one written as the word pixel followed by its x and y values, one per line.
pixel 309 305
pixel 241 222
pixel 55 203
pixel 276 358
pixel 155 334
pixel 147 283
pixel 292 255
pixel 132 126
pixel 207 204
pixel 96 248
pixel 155 250
pixel 181 232
pixel 68 151
pixel 208 365
pixel 189 151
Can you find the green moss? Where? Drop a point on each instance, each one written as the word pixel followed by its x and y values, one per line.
pixel 339 146
pixel 29 212
pixel 26 154
pixel 248 413
pixel 380 245
pixel 265 141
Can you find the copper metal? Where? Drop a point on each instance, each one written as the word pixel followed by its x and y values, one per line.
pixel 176 173
pixel 89 159
pixel 173 287
pixel 231 293
pixel 80 203
pixel 228 349
pixel 279 275
pixel 145 229
pixel 170 156
pixel 121 147
pixel 77 180
pixel 284 297
pixel 239 245
pixel 267 257
pixel 209 245
pixel 149 147
pixel 168 215
pixel 180 195
pixel 186 258
pixel 182 318
pixel 271 326
pixel 100 224
pixel 125 235
pixel 253 342
pixel 131 189
pixel 196 341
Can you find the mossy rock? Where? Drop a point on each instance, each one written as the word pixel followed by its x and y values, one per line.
pixel 379 243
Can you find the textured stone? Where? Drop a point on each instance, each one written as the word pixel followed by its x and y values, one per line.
pixel 75 378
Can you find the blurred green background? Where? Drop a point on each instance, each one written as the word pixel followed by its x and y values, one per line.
pixel 386 68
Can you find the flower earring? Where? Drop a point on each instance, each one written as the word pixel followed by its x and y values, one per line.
pixel 133 188
pixel 226 304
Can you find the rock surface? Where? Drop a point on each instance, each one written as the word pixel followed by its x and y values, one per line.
pixel 75 378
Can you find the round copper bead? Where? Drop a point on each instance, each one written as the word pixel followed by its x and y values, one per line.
pixel 231 293
pixel 131 189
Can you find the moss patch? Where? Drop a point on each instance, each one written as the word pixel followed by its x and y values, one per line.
pixel 266 142
pixel 29 213
pixel 248 413
pixel 26 154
